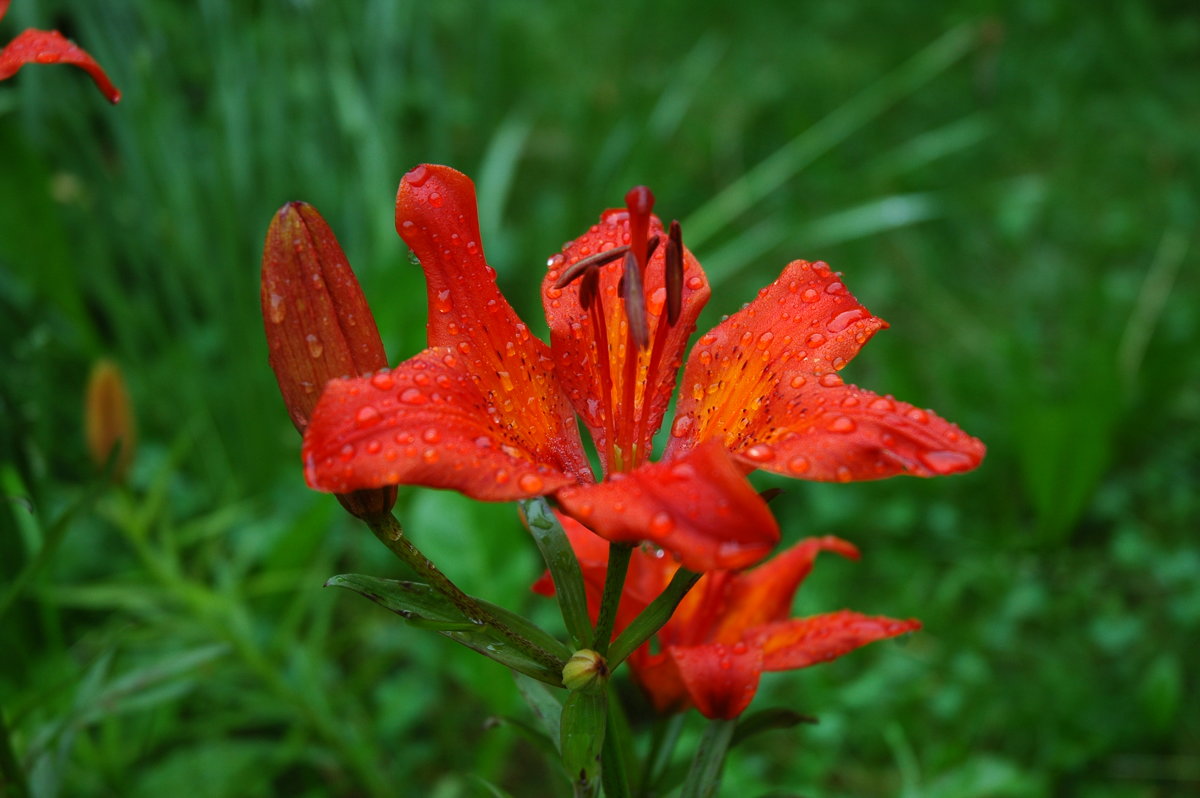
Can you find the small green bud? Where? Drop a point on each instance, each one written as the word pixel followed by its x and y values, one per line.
pixel 586 671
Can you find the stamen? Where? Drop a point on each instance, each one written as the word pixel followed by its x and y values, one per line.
pixel 589 288
pixel 673 277
pixel 640 201
pixel 635 303
pixel 576 269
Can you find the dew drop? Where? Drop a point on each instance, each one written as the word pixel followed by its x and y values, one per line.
pixel 417 176
pixel 842 424
pixel 383 381
pixel 373 447
pixel 918 415
pixel 502 476
pixel 278 309
pixel 505 380
pixel 759 453
pixel 347 453
pixel 662 523
pixel 945 461
pixel 810 295
pixel 765 339
pixel 882 405
pixel 367 416
pixel 413 396
pixel 681 426
pixel 815 340
pixel 844 319
pixel 835 288
pixel 435 199
pixel 831 380
pixel 799 465
pixel 844 474
pixel 430 455
pixel 530 483
pixel 695 282
pixel 315 348
pixel 431 435
pixel 797 381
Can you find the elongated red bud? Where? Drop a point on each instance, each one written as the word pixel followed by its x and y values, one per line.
pixel 108 418
pixel 319 326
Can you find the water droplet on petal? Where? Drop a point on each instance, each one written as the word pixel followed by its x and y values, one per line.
pixel 835 288
pixel 844 474
pixel 662 523
pixel 844 319
pixel 918 415
pixel 681 426
pixel 830 380
pixel 431 435
pixel 430 455
pixel 347 453
pixel 417 176
pixel 759 453
pixel 367 416
pixel 797 381
pixel 799 465
pixel 815 340
pixel 383 381
pixel 413 396
pixel 315 348
pixel 278 309
pixel 842 424
pixel 373 447
pixel 530 483
pixel 435 199
pixel 810 295
pixel 882 405
pixel 945 461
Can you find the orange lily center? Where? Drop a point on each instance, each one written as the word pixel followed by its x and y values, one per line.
pixel 627 368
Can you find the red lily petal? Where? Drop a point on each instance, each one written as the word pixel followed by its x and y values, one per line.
pixel 764 382
pixel 426 422
pixel 594 377
pixel 699 506
pixel 844 433
pixel 764 594
pixel 50 47
pixel 660 679
pixel 799 327
pixel 437 217
pixel 800 642
pixel 721 680
pixel 318 323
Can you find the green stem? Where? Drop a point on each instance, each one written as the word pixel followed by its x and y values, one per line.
pixel 651 619
pixel 389 532
pixel 614 581
pixel 705 775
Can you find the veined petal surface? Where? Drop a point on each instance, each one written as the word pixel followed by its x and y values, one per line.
pixel 800 642
pixel 426 422
pixel 765 383
pixel 437 216
pixel 51 47
pixel 699 507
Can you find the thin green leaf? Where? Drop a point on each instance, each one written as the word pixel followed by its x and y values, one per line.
pixel 422 606
pixel 765 720
pixel 651 619
pixel 545 704
pixel 705 776
pixel 552 542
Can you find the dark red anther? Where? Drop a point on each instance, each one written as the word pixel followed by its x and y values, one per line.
pixel 589 288
pixel 635 302
pixel 640 202
pixel 572 272
pixel 673 277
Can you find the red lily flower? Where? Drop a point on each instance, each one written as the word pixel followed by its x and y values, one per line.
pixel 487 408
pixel 730 628
pixel 50 47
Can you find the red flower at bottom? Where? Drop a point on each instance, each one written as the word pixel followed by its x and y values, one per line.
pixel 731 627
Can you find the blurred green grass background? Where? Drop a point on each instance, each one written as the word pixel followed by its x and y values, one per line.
pixel 1013 185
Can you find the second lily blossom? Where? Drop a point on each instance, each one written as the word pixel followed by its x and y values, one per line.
pixel 488 409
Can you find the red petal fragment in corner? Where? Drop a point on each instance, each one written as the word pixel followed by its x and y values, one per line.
pixel 700 507
pixel 423 423
pixel 764 594
pixel 824 430
pixel 581 364
pixel 50 47
pixel 319 326
pixel 801 642
pixel 436 215
pixel 720 679
pixel 799 327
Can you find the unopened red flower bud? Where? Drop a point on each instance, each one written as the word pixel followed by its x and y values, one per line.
pixel 108 418
pixel 319 326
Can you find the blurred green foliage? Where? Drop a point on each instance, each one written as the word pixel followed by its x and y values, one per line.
pixel 1013 185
